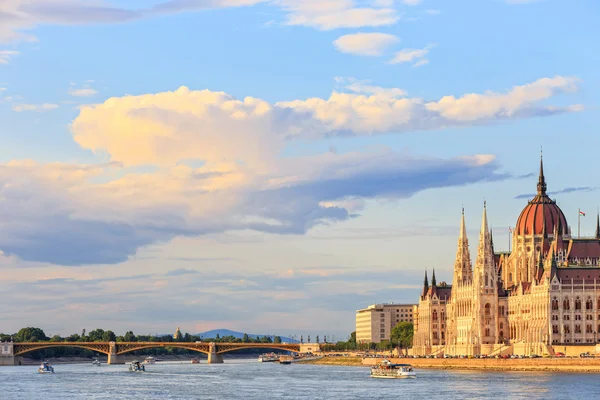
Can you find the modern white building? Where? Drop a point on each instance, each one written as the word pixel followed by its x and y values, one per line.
pixel 375 323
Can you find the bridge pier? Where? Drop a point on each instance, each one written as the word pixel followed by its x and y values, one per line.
pixel 213 356
pixel 113 357
pixel 7 355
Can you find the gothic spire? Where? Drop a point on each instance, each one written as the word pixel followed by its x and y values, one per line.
pixel 541 186
pixel 425 285
pixel 462 262
pixel 484 221
pixel 433 282
pixel 598 225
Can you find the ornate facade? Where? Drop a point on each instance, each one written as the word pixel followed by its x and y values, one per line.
pixel 545 292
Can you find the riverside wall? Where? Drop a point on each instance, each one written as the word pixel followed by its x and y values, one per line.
pixel 499 364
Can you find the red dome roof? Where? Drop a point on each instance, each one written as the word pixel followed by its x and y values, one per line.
pixel 541 215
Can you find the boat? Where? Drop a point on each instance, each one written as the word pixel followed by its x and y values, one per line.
pixel 149 360
pixel 136 366
pixel 269 357
pixel 195 361
pixel 285 360
pixel 387 369
pixel 96 363
pixel 46 368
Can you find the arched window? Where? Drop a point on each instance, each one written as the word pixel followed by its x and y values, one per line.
pixel 501 325
pixel 435 315
pixel 589 304
pixel 487 310
pixel 566 305
pixel 555 303
pixel 487 331
pixel 577 304
pixel 486 279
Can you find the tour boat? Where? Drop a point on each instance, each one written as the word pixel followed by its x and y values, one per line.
pixel 149 360
pixel 46 368
pixel 136 366
pixel 285 360
pixel 195 361
pixel 386 369
pixel 269 357
pixel 96 363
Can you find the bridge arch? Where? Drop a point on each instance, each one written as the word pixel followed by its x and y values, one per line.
pixel 230 348
pixel 20 349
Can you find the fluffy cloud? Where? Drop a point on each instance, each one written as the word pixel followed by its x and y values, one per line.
pixel 333 14
pixel 17 16
pixel 364 87
pixel 415 56
pixel 365 44
pixel 77 214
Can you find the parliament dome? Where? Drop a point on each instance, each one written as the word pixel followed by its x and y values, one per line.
pixel 541 215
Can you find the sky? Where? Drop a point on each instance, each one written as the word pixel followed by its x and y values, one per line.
pixel 271 166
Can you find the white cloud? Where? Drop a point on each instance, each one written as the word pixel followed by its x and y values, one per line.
pixel 7 55
pixel 20 16
pixel 415 56
pixel 83 92
pixel 365 44
pixel 107 212
pixel 364 87
pixel 412 2
pixel 34 107
pixel 433 12
pixel 333 14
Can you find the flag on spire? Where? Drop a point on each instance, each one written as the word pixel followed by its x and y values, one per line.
pixel 581 213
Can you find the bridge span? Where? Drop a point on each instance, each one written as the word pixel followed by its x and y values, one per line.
pixel 11 352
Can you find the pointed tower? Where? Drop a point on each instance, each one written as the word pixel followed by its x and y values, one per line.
pixel 486 289
pixel 463 271
pixel 598 225
pixel 433 283
pixel 425 286
pixel 541 186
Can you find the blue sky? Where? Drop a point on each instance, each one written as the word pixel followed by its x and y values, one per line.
pixel 271 166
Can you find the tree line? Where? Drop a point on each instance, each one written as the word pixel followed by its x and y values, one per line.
pixel 401 337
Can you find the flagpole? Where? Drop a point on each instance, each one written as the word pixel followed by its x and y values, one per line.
pixel 578 222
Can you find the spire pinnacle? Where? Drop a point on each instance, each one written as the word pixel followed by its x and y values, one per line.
pixel 484 221
pixel 463 228
pixel 598 225
pixel 425 284
pixel 433 282
pixel 541 186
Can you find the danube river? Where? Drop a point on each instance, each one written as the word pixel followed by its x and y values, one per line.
pixel 252 380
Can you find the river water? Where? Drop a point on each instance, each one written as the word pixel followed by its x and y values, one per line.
pixel 247 380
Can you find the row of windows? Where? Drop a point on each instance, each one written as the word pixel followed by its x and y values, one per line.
pixel 589 304
pixel 567 329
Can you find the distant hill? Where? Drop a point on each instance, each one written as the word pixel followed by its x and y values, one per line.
pixel 240 335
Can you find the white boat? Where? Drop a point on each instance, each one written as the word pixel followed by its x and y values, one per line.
pixel 387 369
pixel 136 366
pixel 269 357
pixel 149 360
pixel 46 368
pixel 96 363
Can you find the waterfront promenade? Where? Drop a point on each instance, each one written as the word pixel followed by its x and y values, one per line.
pixel 557 364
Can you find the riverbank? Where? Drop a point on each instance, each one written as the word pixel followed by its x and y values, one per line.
pixel 591 365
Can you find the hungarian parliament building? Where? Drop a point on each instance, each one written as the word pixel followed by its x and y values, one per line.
pixel 544 293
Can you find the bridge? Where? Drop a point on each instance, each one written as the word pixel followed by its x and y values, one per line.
pixel 10 352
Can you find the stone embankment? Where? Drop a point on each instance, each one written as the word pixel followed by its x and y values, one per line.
pixel 489 364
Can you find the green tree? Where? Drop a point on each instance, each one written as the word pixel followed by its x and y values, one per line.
pixel 129 337
pixel 109 336
pixel 30 335
pixel 277 339
pixel 402 334
pixel 218 337
pixel 245 339
pixel 352 338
